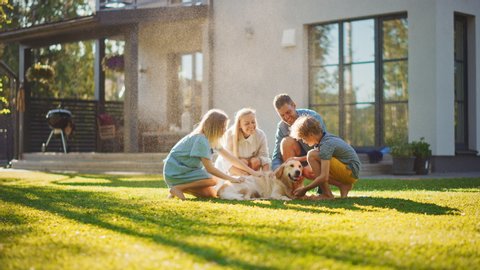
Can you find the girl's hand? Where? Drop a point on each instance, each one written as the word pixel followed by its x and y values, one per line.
pixel 239 179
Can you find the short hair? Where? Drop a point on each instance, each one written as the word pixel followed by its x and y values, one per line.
pixel 282 99
pixel 305 126
pixel 213 125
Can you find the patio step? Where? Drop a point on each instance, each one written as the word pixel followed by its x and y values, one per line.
pixel 151 163
pixel 380 168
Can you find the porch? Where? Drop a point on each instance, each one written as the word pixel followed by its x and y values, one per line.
pixel 87 135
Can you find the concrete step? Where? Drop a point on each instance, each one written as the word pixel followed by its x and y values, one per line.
pixel 376 169
pixel 58 156
pixel 89 166
pixel 151 163
pixel 365 160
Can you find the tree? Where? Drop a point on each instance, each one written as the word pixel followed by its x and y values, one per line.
pixel 3 21
pixel 73 62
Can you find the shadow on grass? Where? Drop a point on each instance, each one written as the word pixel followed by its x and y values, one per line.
pixel 328 207
pixel 97 208
pixel 352 203
pixel 110 181
pixel 423 184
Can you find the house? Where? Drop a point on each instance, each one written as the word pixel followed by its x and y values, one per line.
pixel 374 69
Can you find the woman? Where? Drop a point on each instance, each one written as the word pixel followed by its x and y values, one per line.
pixel 246 142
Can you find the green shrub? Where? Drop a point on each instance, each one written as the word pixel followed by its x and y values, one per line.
pixel 399 146
pixel 421 148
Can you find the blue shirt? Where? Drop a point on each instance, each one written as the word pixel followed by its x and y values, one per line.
pixel 184 162
pixel 283 130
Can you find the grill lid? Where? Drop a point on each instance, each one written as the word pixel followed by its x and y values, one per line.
pixel 58 118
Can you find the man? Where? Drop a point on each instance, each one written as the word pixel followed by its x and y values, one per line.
pixel 287 147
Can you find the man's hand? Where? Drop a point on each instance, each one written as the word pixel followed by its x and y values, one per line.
pixel 300 192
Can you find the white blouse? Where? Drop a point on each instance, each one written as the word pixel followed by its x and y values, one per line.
pixel 253 146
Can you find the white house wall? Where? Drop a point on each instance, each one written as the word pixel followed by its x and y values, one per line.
pixel 156 42
pixel 251 65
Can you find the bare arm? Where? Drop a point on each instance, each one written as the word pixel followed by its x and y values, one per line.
pixel 263 151
pixel 322 178
pixel 236 162
pixel 207 163
pixel 301 159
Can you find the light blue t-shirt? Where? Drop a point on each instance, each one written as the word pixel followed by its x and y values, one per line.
pixel 283 130
pixel 184 162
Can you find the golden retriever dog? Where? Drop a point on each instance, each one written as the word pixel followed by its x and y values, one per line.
pixel 277 185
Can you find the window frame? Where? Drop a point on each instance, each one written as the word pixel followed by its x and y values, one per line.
pixel 378 61
pixel 464 19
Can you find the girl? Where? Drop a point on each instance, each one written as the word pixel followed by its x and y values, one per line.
pixel 188 166
pixel 246 142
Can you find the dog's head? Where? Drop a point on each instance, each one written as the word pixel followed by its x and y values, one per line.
pixel 291 170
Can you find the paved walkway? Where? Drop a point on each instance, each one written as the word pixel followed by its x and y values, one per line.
pixel 428 176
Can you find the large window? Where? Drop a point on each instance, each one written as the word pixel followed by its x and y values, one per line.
pixel 460 59
pixel 185 100
pixel 358 78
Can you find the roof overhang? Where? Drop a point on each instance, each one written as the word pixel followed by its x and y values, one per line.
pixel 105 23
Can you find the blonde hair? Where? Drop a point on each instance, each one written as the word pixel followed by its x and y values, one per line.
pixel 213 126
pixel 236 129
pixel 304 127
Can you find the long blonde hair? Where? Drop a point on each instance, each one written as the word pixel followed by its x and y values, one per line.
pixel 213 126
pixel 236 129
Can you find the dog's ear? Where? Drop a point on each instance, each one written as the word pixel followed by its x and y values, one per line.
pixel 279 171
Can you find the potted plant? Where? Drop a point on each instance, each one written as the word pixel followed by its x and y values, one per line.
pixel 42 74
pixel 422 153
pixel 402 156
pixel 40 77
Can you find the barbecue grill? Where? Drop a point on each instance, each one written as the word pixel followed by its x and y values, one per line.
pixel 58 120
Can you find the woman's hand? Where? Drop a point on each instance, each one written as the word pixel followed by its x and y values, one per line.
pixel 239 179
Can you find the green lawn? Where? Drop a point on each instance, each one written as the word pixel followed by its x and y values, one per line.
pixel 80 221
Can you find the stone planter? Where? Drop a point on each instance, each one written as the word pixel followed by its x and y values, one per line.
pixel 403 165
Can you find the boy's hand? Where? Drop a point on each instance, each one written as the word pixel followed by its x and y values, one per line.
pixel 300 192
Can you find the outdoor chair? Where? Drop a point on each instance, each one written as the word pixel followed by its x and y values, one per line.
pixel 107 133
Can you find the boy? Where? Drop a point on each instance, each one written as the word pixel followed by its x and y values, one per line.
pixel 333 161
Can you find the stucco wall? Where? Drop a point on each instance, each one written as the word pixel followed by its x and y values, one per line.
pixel 253 68
pixel 157 41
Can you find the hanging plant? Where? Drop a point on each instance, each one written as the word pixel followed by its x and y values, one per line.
pixel 43 74
pixel 113 62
